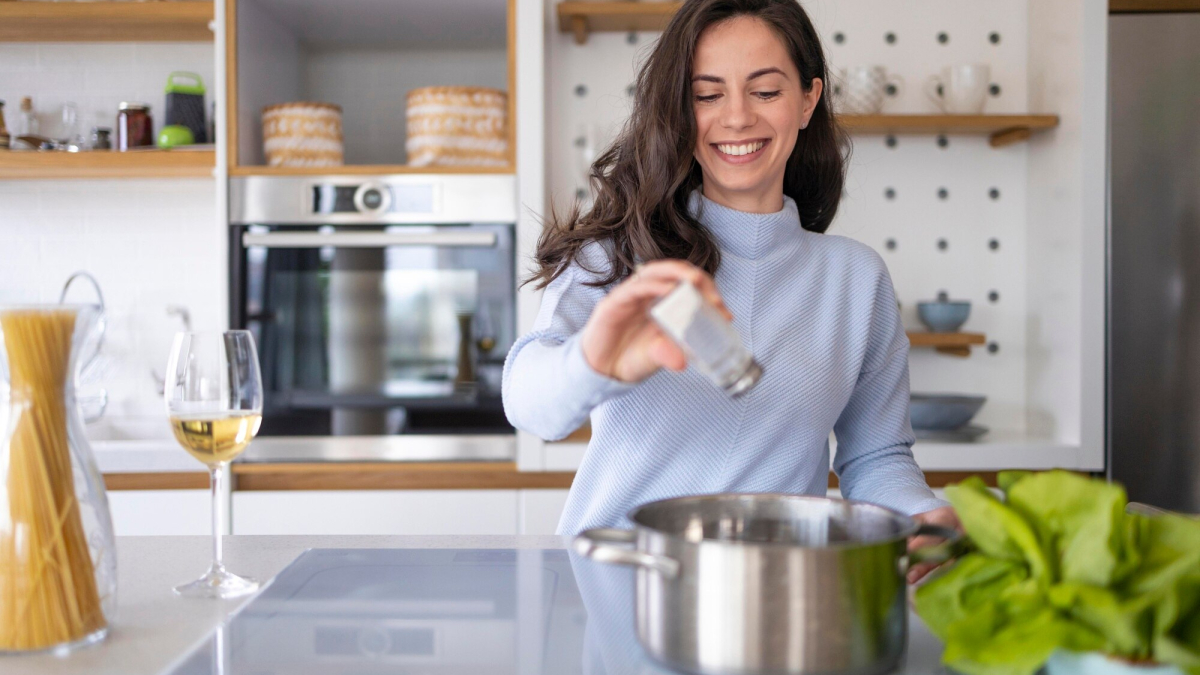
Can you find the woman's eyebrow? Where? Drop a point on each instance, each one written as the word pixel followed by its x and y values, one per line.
pixel 720 80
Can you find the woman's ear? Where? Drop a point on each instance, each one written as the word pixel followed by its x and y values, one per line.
pixel 810 99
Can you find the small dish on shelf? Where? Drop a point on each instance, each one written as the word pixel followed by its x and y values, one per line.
pixel 944 316
pixel 967 434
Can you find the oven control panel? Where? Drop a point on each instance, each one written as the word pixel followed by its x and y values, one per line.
pixel 370 198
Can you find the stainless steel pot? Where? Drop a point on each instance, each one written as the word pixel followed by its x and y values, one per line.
pixel 757 583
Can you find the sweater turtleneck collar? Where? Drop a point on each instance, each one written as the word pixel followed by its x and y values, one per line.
pixel 748 235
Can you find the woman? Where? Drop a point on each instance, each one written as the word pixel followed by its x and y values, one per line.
pixel 726 175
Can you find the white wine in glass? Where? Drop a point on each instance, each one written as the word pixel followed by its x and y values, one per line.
pixel 214 401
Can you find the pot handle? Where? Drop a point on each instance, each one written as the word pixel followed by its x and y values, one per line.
pixel 598 544
pixel 937 554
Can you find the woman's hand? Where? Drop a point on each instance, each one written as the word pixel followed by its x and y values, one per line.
pixel 620 339
pixel 946 517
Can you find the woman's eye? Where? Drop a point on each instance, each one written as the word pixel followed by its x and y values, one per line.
pixel 707 99
pixel 766 95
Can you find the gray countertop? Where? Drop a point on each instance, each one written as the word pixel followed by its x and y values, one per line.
pixel 156 632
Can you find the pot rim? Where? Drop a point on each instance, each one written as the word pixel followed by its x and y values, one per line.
pixel 909 525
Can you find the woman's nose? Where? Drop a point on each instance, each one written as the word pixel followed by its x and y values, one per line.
pixel 737 113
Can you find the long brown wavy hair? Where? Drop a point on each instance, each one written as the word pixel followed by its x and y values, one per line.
pixel 642 182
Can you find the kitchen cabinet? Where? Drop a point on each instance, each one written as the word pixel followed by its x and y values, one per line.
pixel 472 512
pixel 540 510
pixel 364 56
pixel 160 512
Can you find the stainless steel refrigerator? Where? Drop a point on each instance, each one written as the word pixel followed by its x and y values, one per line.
pixel 1154 256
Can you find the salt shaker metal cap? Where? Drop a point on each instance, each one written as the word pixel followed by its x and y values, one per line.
pixel 709 340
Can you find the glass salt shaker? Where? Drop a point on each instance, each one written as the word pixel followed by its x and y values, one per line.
pixel 710 342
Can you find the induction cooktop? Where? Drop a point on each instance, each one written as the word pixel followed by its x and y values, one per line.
pixel 429 612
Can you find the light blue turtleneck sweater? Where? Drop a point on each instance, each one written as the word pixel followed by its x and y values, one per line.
pixel 819 314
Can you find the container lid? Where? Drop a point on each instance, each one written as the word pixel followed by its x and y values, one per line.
pixel 184 82
pixel 131 105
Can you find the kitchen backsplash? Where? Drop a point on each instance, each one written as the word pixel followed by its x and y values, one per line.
pixel 152 244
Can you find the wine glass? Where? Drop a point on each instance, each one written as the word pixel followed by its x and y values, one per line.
pixel 214 398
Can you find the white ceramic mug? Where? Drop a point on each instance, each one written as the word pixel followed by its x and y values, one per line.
pixel 860 90
pixel 960 90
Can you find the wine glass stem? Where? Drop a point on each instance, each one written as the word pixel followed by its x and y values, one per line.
pixel 218 508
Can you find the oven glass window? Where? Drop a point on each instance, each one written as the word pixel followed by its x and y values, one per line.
pixel 399 329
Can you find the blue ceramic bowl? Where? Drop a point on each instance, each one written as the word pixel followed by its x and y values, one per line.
pixel 943 412
pixel 944 316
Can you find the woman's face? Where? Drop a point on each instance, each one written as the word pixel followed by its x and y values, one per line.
pixel 750 105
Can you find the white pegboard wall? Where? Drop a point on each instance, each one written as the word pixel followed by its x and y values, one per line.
pixel 947 214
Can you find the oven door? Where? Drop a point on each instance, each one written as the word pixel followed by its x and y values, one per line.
pixel 370 330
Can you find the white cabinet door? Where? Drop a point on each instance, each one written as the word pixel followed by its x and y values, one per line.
pixel 156 512
pixel 375 512
pixel 541 509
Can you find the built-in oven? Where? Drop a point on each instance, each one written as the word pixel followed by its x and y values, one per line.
pixel 381 305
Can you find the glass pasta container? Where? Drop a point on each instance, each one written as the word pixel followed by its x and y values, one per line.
pixel 57 558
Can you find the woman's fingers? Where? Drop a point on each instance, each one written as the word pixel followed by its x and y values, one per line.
pixel 667 354
pixel 678 270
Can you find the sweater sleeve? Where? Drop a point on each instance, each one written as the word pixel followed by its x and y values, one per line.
pixel 549 389
pixel 874 460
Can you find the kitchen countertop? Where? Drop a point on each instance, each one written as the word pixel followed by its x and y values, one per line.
pixel 156 632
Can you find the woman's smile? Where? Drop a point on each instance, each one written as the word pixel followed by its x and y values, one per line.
pixel 741 152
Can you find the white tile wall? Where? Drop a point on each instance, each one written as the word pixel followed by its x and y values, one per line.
pixel 150 243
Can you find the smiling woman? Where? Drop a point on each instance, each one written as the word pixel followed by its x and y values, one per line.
pixel 726 176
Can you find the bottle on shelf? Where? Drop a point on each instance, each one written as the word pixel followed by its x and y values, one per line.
pixel 27 120
pixel 4 137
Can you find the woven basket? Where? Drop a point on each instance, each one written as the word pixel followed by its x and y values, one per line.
pixel 302 134
pixel 457 126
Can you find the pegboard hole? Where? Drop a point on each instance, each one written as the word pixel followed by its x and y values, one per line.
pixel 993 296
pixel 942 141
pixel 580 141
pixel 891 90
pixel 839 37
pixel 994 193
pixel 994 89
pixel 631 91
pixel 890 141
pixel 581 90
pixel 889 193
pixel 580 194
pixel 994 244
pixel 943 296
pixel 631 38
pixel 994 38
pixel 943 37
pixel 889 37
pixel 993 347
pixel 943 194
pixel 943 245
pixel 890 244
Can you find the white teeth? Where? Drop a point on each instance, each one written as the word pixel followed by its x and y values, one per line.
pixel 738 150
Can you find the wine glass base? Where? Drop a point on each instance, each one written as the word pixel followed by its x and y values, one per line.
pixel 218 583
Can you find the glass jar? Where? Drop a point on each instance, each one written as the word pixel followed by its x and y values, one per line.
pixel 101 138
pixel 134 126
pixel 710 341
pixel 58 578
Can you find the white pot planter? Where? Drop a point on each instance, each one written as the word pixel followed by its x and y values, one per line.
pixel 1094 663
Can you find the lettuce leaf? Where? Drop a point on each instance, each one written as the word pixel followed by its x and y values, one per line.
pixel 998 530
pixel 1080 521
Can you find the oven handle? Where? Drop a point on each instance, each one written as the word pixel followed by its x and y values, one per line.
pixel 368 239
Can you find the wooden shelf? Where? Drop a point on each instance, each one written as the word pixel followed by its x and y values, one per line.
pixel 1152 6
pixel 28 21
pixel 582 18
pixel 362 169
pixel 32 164
pixel 1001 130
pixel 955 344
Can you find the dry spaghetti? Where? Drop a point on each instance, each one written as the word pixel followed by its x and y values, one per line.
pixel 48 592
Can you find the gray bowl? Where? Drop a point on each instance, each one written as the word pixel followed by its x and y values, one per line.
pixel 943 412
pixel 944 316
